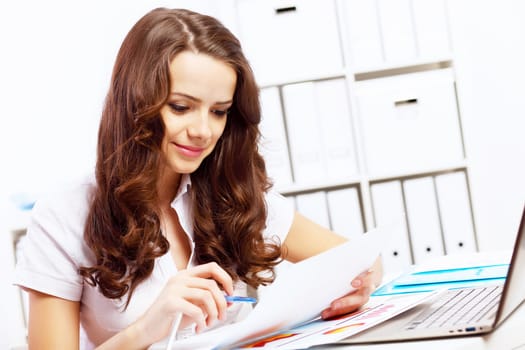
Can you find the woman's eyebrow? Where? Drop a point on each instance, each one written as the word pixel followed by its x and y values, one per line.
pixel 224 102
pixel 193 98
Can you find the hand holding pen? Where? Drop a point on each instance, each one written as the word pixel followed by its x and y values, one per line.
pixel 192 296
pixel 178 317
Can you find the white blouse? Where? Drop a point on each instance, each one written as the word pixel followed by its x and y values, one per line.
pixel 54 249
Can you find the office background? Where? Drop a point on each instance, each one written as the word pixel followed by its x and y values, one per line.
pixel 57 60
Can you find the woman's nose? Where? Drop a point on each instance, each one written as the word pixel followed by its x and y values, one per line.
pixel 200 125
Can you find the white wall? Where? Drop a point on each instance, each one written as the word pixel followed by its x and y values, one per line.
pixel 489 44
pixel 57 57
pixel 56 62
pixel 55 66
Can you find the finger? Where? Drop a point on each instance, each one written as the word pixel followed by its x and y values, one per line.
pixel 357 282
pixel 342 308
pixel 193 312
pixel 347 304
pixel 362 279
pixel 214 271
pixel 204 299
pixel 207 293
pixel 220 305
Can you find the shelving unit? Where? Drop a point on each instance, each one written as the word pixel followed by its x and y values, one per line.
pixel 359 98
pixel 345 39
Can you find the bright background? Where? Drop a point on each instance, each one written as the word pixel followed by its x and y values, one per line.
pixel 57 58
pixel 56 63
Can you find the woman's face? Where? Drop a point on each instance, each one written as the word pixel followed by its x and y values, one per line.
pixel 195 115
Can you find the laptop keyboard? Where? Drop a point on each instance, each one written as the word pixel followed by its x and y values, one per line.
pixel 459 307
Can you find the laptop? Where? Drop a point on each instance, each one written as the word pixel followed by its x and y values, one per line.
pixel 458 312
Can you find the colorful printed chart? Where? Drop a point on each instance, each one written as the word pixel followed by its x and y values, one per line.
pixel 320 331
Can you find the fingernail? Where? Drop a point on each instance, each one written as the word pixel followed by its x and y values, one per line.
pixel 356 283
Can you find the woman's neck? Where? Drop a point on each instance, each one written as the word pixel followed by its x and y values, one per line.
pixel 167 187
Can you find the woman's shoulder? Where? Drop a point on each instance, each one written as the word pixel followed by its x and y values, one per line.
pixel 71 195
pixel 54 247
pixel 280 214
pixel 276 200
pixel 66 205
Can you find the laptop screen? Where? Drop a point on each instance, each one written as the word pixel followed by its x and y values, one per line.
pixel 514 290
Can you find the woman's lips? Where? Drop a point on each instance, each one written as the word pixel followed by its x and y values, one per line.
pixel 190 151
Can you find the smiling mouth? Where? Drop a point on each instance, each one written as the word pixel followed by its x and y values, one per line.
pixel 190 151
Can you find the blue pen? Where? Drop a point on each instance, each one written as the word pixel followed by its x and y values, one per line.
pixel 239 299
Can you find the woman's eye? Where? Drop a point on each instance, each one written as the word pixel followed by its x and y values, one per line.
pixel 177 108
pixel 220 112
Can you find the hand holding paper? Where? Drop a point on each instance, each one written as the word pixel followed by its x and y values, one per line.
pixel 298 294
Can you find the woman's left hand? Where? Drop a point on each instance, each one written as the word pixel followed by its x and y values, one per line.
pixel 364 285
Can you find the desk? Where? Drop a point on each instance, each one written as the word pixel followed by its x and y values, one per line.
pixel 510 335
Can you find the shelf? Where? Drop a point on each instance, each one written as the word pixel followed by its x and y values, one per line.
pixel 393 95
pixel 380 71
pixel 446 168
pixel 367 73
pixel 303 79
pixel 356 181
pixel 314 187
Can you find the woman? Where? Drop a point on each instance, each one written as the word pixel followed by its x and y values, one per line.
pixel 180 212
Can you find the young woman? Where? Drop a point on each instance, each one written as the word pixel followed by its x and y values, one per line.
pixel 180 211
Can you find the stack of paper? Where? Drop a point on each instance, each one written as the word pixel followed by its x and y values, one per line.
pixel 298 294
pixel 287 315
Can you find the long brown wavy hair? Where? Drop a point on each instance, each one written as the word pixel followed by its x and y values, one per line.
pixel 227 191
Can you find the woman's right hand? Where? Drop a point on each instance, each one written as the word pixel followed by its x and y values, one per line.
pixel 197 292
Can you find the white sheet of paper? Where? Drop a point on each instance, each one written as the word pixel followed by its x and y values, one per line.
pixel 298 294
pixel 321 332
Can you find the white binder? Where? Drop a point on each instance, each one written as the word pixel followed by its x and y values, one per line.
pixel 303 132
pixel 282 42
pixel 363 35
pixel 345 212
pixel 410 122
pixel 313 206
pixel 456 217
pixel 430 19
pixel 423 218
pixel 397 30
pixel 389 211
pixel 336 134
pixel 273 145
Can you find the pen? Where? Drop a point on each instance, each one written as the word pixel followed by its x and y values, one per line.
pixel 239 299
pixel 174 328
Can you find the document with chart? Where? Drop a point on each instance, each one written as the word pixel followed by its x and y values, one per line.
pixel 300 293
